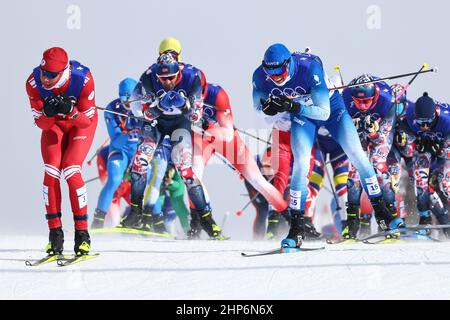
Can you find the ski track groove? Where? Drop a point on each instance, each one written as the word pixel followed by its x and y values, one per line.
pixel 215 270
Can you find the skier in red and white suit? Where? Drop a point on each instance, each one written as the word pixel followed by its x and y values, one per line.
pixel 62 99
pixel 219 135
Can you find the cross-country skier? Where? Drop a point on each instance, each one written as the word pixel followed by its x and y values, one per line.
pixel 122 148
pixel 62 99
pixel 279 88
pixel 219 135
pixel 426 129
pixel 374 114
pixel 170 99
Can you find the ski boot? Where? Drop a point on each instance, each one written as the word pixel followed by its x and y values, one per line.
pixel 99 219
pixel 82 242
pixel 158 224
pixel 147 219
pixel 364 225
pixel 210 226
pixel 385 215
pixel 296 233
pixel 273 225
pixel 310 230
pixel 442 217
pixel 56 242
pixel 351 225
pixel 133 219
pixel 196 226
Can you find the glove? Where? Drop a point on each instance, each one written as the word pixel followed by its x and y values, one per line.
pixel 370 126
pixel 267 107
pixel 196 116
pixel 421 144
pixel 436 146
pixel 50 107
pixel 65 105
pixel 400 138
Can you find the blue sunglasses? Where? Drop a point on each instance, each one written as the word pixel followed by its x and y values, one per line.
pixel 423 122
pixel 275 70
pixel 49 74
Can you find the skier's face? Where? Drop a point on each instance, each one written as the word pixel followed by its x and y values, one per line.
pixel 50 79
pixel 168 82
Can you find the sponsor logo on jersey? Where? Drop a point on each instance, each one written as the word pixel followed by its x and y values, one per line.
pixel 92 95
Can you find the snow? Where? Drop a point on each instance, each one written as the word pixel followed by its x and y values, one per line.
pixel 142 268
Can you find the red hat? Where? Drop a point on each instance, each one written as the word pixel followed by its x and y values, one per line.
pixel 54 59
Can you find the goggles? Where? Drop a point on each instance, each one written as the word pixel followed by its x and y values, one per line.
pixel 276 70
pixel 49 74
pixel 423 122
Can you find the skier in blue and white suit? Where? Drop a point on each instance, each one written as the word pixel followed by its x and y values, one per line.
pixel 122 148
pixel 295 86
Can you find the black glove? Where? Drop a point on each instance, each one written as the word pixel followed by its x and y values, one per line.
pixel 268 107
pixel 59 104
pixel 289 105
pixel 436 145
pixel 65 105
pixel 422 144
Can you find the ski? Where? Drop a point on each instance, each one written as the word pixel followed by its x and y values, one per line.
pixel 130 231
pixel 63 262
pixel 403 238
pixel 342 241
pixel 45 260
pixel 404 230
pixel 279 251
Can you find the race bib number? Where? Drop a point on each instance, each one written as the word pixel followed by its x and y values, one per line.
pixel 82 197
pixel 373 188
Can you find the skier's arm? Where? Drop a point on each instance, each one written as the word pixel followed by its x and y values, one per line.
pixel 318 108
pixel 224 128
pixel 37 105
pixel 84 111
pixel 196 98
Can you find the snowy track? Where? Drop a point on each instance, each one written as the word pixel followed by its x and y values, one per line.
pixel 131 268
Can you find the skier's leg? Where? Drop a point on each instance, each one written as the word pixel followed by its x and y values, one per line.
pixel 344 132
pixel 116 166
pixel 52 145
pixel 139 170
pixel 72 162
pixel 303 135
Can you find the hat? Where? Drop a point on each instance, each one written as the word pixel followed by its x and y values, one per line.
pixel 54 60
pixel 425 107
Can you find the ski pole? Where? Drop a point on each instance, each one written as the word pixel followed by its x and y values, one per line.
pixel 424 67
pixel 98 151
pixel 337 68
pixel 239 212
pixel 435 69
pixel 93 179
pixel 229 165
pixel 259 139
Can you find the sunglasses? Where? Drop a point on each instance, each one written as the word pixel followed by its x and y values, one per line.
pixel 423 122
pixel 276 70
pixel 49 74
pixel 168 78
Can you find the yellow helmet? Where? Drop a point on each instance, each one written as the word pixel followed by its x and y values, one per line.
pixel 171 44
